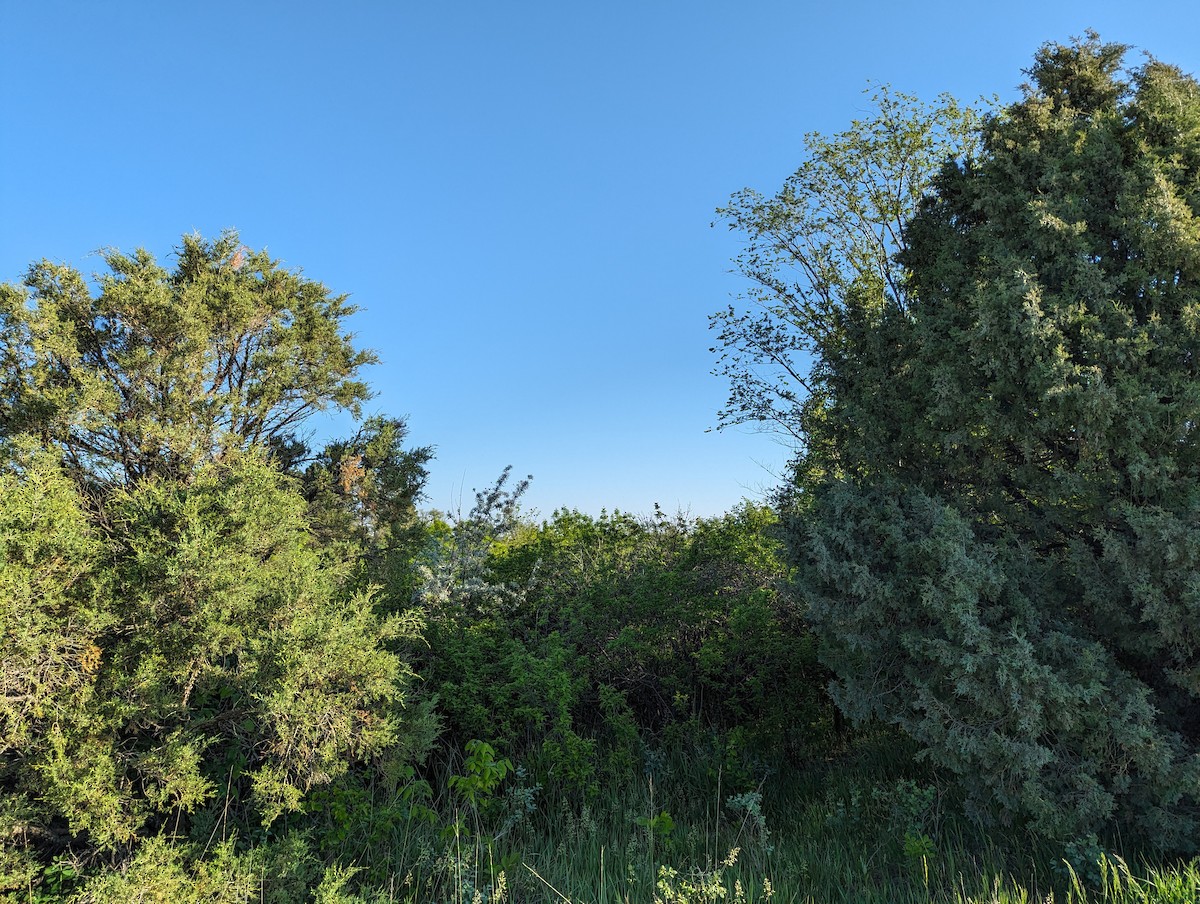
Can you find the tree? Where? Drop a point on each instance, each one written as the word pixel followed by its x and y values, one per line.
pixel 823 250
pixel 363 492
pixel 199 652
pixel 181 648
pixel 48 600
pixel 158 372
pixel 995 514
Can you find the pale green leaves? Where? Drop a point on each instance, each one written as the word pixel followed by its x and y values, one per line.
pixel 823 248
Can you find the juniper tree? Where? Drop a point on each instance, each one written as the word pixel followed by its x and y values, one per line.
pixel 995 510
pixel 155 372
pixel 177 642
pixel 363 493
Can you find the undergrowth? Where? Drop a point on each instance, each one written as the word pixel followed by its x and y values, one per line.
pixel 865 823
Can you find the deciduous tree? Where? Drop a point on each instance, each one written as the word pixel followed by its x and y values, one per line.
pixel 822 251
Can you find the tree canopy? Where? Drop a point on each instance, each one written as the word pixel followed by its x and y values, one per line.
pixel 995 509
pixel 155 372
pixel 823 249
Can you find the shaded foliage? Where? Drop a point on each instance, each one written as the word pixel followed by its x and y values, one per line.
pixel 362 495
pixel 605 635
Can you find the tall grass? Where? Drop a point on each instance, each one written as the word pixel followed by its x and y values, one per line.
pixel 866 826
pixel 860 825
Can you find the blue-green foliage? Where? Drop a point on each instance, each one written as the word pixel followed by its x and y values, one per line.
pixel 994 520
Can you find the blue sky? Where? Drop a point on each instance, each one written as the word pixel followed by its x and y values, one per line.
pixel 519 195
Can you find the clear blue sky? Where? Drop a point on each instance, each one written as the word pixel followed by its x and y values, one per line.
pixel 519 195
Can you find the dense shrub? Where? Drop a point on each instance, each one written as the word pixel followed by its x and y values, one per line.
pixel 191 653
pixel 573 644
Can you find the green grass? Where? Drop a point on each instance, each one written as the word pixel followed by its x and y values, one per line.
pixel 866 825
pixel 860 825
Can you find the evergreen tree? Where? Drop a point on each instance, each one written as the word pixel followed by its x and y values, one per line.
pixel 158 372
pixel 363 493
pixel 181 649
pixel 996 513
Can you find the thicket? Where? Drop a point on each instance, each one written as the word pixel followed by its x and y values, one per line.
pixel 956 648
pixel 584 636
pixel 212 633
